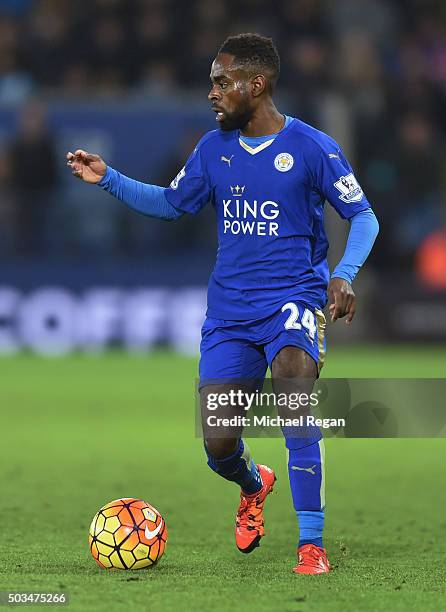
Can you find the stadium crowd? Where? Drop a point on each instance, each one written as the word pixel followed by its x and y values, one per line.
pixel 386 60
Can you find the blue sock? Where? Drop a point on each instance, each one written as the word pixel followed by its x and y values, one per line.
pixel 311 526
pixel 239 468
pixel 307 481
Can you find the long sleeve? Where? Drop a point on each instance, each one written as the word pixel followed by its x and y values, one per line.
pixel 363 231
pixel 146 199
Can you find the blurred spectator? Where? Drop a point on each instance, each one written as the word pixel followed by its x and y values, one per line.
pixel 153 36
pixel 8 211
pixel 46 44
pixel 420 167
pixel 377 18
pixel 76 80
pixel 304 19
pixel 308 63
pixel 110 57
pixel 33 172
pixel 15 84
pixel 431 261
pixel 403 178
pixel 157 78
pixel 15 81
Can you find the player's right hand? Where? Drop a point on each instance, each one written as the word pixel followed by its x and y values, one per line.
pixel 86 166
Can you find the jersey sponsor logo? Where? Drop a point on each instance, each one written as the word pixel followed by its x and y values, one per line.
pixel 226 159
pixel 334 156
pixel 349 188
pixel 284 162
pixel 249 217
pixel 177 179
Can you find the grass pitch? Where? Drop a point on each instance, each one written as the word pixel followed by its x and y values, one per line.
pixel 80 431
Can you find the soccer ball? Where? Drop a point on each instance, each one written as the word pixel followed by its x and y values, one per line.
pixel 127 533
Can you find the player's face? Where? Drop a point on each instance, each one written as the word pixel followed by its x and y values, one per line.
pixel 230 93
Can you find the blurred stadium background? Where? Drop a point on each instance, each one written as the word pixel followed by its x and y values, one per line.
pixel 129 80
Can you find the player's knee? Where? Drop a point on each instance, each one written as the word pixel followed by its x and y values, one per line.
pixel 293 362
pixel 219 448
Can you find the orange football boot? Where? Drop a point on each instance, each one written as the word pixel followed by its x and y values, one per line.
pixel 312 560
pixel 249 522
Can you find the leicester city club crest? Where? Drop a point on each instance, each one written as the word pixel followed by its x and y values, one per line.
pixel 283 162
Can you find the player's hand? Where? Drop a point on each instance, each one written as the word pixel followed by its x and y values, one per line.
pixel 86 166
pixel 342 300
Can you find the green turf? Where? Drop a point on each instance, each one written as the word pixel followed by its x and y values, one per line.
pixel 80 431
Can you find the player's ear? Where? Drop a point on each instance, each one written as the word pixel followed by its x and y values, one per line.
pixel 258 85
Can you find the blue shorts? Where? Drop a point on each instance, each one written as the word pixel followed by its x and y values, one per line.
pixel 241 350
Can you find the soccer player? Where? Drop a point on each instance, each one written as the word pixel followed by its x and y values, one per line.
pixel 267 176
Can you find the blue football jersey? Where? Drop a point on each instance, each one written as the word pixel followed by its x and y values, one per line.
pixel 269 203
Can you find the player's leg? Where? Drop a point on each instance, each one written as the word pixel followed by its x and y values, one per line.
pixel 294 360
pixel 230 457
pixel 228 454
pixel 226 356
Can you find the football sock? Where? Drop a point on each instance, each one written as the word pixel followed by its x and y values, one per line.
pixel 238 467
pixel 311 526
pixel 307 482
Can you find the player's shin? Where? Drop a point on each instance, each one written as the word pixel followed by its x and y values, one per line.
pixel 306 470
pixel 237 466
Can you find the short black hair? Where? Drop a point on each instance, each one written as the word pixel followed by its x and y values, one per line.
pixel 254 51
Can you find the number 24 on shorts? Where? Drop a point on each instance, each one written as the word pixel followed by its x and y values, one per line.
pixel 307 321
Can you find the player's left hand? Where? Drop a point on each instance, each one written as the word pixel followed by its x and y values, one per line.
pixel 342 300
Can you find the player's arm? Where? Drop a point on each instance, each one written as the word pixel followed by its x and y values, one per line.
pixel 364 228
pixel 147 199
pixel 335 180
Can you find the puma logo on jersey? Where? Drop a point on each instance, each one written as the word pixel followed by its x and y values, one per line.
pixel 226 159
pixel 310 470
